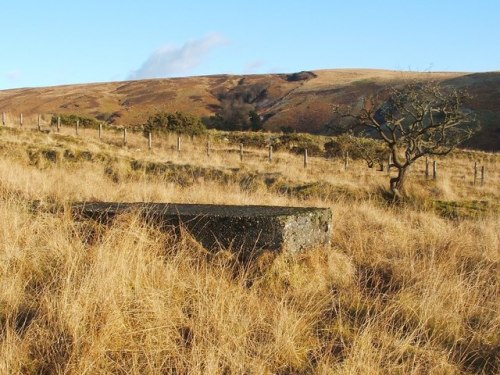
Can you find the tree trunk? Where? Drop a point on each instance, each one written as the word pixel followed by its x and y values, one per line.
pixel 397 183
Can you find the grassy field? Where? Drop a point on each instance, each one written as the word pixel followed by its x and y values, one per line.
pixel 411 288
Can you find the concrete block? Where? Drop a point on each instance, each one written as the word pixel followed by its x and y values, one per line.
pixel 248 229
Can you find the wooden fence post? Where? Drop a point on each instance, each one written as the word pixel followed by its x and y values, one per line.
pixel 426 168
pixel 100 131
pixel 124 136
pixel 21 120
pixel 38 124
pixel 305 158
pixel 208 148
pixel 58 128
pixel 475 173
pixel 434 170
pixel 150 140
pixel 482 175
pixel 270 153
pixel 77 126
pixel 241 151
pixel 346 160
pixel 178 144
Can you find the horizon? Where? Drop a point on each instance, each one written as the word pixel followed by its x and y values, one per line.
pixel 59 44
pixel 244 74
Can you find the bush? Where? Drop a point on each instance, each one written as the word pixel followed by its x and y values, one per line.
pixel 85 122
pixel 178 122
pixel 298 142
pixel 370 150
pixel 235 117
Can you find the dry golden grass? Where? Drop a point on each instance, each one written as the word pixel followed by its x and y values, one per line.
pixel 406 289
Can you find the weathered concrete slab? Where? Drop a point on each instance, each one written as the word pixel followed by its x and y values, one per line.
pixel 242 228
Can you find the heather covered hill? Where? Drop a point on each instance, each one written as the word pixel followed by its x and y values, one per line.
pixel 301 101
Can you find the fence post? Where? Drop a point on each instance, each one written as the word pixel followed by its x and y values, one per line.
pixel 208 148
pixel 434 170
pixel 100 131
pixel 150 140
pixel 475 173
pixel 178 144
pixel 38 124
pixel 3 118
pixel 241 151
pixel 58 128
pixel 305 158
pixel 346 160
pixel 270 153
pixel 21 120
pixel 124 136
pixel 482 175
pixel 426 168
pixel 77 126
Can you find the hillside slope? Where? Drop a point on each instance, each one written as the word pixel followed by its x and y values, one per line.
pixel 301 101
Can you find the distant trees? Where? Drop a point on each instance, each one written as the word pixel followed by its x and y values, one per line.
pixel 177 122
pixel 414 120
pixel 255 121
pixel 235 117
pixel 238 108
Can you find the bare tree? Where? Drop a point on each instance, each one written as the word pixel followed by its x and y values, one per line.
pixel 415 120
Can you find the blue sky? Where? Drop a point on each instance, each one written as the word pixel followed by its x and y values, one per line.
pixel 51 42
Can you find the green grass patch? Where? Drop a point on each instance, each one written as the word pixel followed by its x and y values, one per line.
pixel 464 209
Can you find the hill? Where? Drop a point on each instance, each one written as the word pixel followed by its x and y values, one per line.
pixel 301 101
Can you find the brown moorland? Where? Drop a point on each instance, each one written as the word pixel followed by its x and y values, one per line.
pixel 302 101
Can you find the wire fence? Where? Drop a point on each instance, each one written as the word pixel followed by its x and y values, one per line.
pixel 141 141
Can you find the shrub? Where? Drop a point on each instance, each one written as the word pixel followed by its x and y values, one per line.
pixel 178 122
pixel 71 119
pixel 298 142
pixel 370 150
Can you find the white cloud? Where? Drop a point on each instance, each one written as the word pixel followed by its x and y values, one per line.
pixel 170 60
pixel 14 75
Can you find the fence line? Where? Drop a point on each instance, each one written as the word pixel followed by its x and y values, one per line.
pixel 479 172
